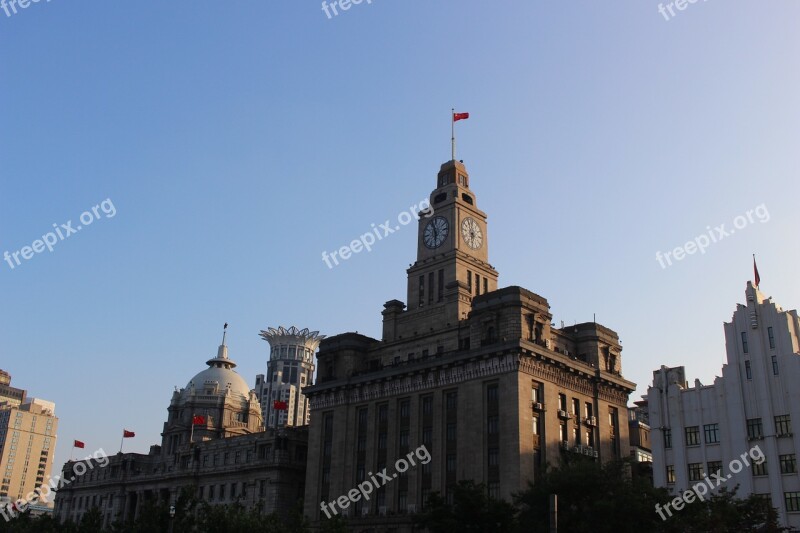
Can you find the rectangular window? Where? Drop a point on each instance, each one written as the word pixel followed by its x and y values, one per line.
pixel 771 338
pixel 451 401
pixel 469 281
pixel 775 365
pixel 715 467
pixel 748 370
pixel 667 438
pixel 427 405
pixel 792 500
pixel 451 432
pixel 576 407
pixel 430 287
pixel 783 426
pixel 440 287
pixel 744 342
pixel 754 428
pixel 494 454
pixel 711 433
pixel 404 438
pixel 491 394
pixel 693 436
pixel 493 425
pixel 670 473
pixel 695 471
pixel 536 425
pixel 535 394
pixel 562 402
pixel 405 409
pixel 451 463
pixel 477 285
pixel 421 291
pixel 760 469
pixel 788 463
pixel 383 413
pixel 485 285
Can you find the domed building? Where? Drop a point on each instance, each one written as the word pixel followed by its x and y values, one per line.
pixel 214 443
pixel 217 400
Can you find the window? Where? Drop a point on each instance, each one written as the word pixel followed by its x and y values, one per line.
pixel 562 402
pixel 485 285
pixel 440 287
pixel 775 365
pixel 670 473
pixel 451 432
pixel 695 471
pixel 535 394
pixel 405 409
pixel 535 424
pixel 427 405
pixel 430 287
pixel 491 394
pixel 383 413
pixel 477 285
pixel 744 342
pixel 576 407
pixel 494 454
pixel 783 426
pixel 792 500
pixel 771 338
pixel 494 490
pixel 747 370
pixel 667 438
pixel 404 438
pixel 715 467
pixel 469 281
pixel 788 464
pixel 492 425
pixel 760 469
pixel 711 433
pixel 754 428
pixel 421 291
pixel 562 432
pixel 451 401
pixel 693 436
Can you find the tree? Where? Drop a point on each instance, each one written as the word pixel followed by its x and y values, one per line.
pixel 472 511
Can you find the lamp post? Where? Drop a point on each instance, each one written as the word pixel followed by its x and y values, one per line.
pixel 171 517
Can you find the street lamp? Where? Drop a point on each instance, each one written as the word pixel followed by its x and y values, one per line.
pixel 171 517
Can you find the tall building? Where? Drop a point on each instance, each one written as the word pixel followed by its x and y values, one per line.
pixel 8 394
pixel 27 444
pixel 214 442
pixel 698 431
pixel 479 376
pixel 290 368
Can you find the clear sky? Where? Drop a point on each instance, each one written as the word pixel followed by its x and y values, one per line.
pixel 237 141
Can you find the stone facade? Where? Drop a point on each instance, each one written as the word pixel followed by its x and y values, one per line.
pixel 214 442
pixel 477 375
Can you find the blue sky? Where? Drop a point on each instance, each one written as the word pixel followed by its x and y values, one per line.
pixel 237 141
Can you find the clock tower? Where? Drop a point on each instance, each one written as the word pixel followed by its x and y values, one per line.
pixel 452 250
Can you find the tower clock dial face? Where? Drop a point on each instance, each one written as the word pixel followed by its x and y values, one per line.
pixel 471 232
pixel 435 232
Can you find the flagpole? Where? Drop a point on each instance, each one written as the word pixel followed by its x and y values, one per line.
pixel 72 453
pixel 121 441
pixel 191 433
pixel 453 132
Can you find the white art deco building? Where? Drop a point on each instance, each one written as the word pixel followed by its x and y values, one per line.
pixel 289 369
pixel 699 430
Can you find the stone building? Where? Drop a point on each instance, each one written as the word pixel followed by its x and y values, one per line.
pixel 701 430
pixel 290 368
pixel 214 442
pixel 479 376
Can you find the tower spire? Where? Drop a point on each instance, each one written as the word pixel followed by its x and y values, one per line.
pixel 224 333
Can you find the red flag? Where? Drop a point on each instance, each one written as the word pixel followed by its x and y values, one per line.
pixel 198 420
pixel 280 406
pixel 755 271
pixel 127 434
pixel 460 116
pixel 78 444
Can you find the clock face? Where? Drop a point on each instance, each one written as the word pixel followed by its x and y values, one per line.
pixel 471 232
pixel 435 232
